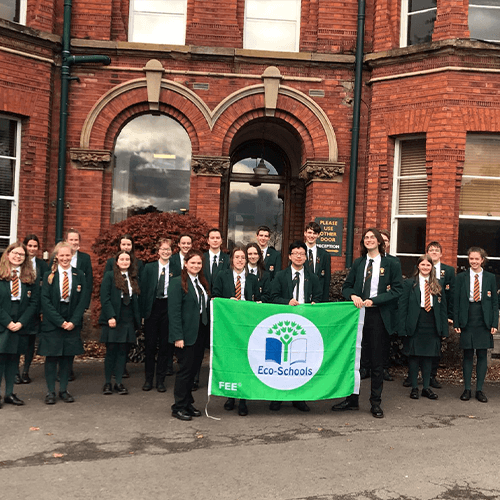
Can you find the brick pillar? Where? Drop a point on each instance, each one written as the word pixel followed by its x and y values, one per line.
pixel 452 20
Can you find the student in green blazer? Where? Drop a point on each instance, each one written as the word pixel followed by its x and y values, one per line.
pixel 177 260
pixel 272 258
pixel 423 322
pixel 64 299
pixel 81 261
pixel 215 260
pixel 237 284
pixel 318 260
pixel 188 296
pixel 255 265
pixel 475 319
pixel 32 244
pixel 18 304
pixel 374 284
pixel 119 318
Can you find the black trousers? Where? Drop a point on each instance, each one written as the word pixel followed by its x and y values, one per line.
pixel 156 346
pixel 374 333
pixel 189 360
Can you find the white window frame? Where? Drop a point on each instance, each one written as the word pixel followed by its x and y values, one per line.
pixel 395 215
pixel 486 7
pixel 403 34
pixel 131 23
pixel 23 6
pixel 296 22
pixel 14 212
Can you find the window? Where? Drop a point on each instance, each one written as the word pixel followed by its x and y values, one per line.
pixel 152 168
pixel 479 211
pixel 272 25
pixel 484 19
pixel 10 158
pixel 158 21
pixel 13 10
pixel 409 207
pixel 417 21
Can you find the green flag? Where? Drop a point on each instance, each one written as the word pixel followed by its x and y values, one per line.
pixel 284 353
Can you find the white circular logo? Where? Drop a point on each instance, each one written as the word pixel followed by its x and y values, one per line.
pixel 285 351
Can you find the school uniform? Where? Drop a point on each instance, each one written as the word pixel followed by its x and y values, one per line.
pixel 82 262
pixel 154 310
pixel 272 261
pixel 212 267
pixel 264 284
pixel 59 346
pixel 319 263
pixel 15 309
pixel 176 264
pixel 188 321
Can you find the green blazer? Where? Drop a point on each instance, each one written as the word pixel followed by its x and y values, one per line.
pixel 148 285
pixel 51 301
pixel 28 305
pixel 282 287
pixel 272 262
pixel 264 287
pixel 175 264
pixel 390 286
pixel 409 310
pixel 323 270
pixel 447 282
pixel 111 301
pixel 207 267
pixel 489 300
pixel 224 286
pixel 183 312
pixel 111 261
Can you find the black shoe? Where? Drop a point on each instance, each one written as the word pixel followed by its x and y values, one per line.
pixel 275 405
pixel 50 398
pixel 387 376
pixel 25 378
pixel 414 393
pixel 193 411
pixel 66 397
pixel 12 399
pixel 195 387
pixel 147 386
pixel 242 409
pixel 481 397
pixel 465 395
pixel 364 373
pixel 121 389
pixel 407 382
pixel 229 404
pixel 71 376
pixel 181 415
pixel 17 379
pixel 126 374
pixel 107 389
pixel 427 393
pixel 301 406
pixel 434 382
pixel 376 411
pixel 160 387
pixel 345 405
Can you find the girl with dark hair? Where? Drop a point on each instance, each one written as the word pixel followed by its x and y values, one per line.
pixel 475 319
pixel 255 265
pixel 64 299
pixel 188 296
pixel 119 318
pixel 126 245
pixel 18 305
pixel 422 322
pixel 237 284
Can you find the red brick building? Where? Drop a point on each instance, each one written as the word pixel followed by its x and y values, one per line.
pixel 198 92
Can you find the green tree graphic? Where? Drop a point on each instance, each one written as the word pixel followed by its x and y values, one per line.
pixel 286 331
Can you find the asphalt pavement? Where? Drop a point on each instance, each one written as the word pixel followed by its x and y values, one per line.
pixel 130 447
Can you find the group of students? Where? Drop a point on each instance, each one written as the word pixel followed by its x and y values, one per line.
pixel 170 297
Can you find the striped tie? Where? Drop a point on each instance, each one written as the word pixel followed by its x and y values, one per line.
pixel 428 306
pixel 237 293
pixel 477 293
pixel 65 287
pixel 15 284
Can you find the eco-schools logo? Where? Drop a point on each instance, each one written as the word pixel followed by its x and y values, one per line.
pixel 285 351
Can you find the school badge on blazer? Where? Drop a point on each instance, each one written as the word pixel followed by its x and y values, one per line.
pixel 382 271
pixel 488 293
pixel 28 293
pixel 322 273
pixel 442 273
pixel 79 288
pixel 271 268
pixel 447 287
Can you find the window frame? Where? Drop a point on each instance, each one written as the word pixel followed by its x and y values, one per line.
pixel 405 14
pixel 23 6
pixel 488 7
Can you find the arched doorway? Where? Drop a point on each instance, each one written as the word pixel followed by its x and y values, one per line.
pixel 274 199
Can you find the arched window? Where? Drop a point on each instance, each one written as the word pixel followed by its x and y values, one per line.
pixel 152 167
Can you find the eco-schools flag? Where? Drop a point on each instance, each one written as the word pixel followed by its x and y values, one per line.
pixel 284 353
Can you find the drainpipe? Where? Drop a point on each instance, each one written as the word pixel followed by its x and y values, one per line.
pixel 358 80
pixel 67 61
